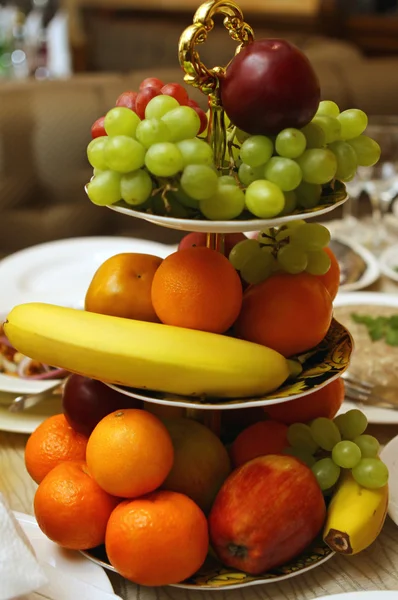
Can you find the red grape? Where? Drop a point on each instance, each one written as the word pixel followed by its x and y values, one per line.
pixel 203 118
pixel 97 128
pixel 142 100
pixel 176 91
pixel 152 82
pixel 86 401
pixel 127 99
pixel 192 103
pixel 268 86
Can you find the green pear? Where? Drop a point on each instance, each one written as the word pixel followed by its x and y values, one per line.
pixel 201 462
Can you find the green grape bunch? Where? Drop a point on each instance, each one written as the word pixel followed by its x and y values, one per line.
pixel 328 446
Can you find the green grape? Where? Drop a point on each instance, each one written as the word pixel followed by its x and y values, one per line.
pixel 123 154
pixel 159 106
pixel 325 433
pixel 326 472
pixel 121 121
pixel 290 203
pixel 290 143
pixel 258 268
pixel 227 180
pixel 228 202
pixel 351 424
pixel 301 454
pixel 314 135
pixel 256 150
pixel 96 153
pixel 295 368
pixel 346 160
pixel 183 122
pixel 195 152
pixel 367 150
pixel 171 208
pixel 152 131
pixel 164 160
pixel 284 172
pixel 184 199
pixel 243 251
pixel 283 232
pixel 318 262
pixel 248 174
pixel 346 454
pixel 97 171
pixel 318 166
pixel 328 108
pixel 353 122
pixel 308 194
pixel 136 187
pixel 104 189
pixel 292 259
pixel 295 224
pixel 300 436
pixel 310 237
pixel 371 473
pixel 241 136
pixel 368 445
pixel 330 126
pixel 199 181
pixel 264 199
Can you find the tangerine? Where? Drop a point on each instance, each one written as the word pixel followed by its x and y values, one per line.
pixel 159 539
pixel 264 437
pixel 325 402
pixel 130 453
pixel 71 508
pixel 288 313
pixel 197 288
pixel 331 279
pixel 121 287
pixel 54 441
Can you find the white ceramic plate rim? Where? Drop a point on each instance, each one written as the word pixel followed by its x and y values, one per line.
pixel 25 422
pixel 389 455
pixel 221 226
pixel 95 575
pixel 386 258
pixel 368 595
pixel 372 272
pixel 380 416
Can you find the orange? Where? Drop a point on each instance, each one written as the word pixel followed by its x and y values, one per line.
pixel 121 287
pixel 264 437
pixel 288 313
pixel 331 279
pixel 156 540
pixel 325 402
pixel 70 507
pixel 130 453
pixel 53 442
pixel 197 288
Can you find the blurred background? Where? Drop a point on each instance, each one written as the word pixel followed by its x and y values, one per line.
pixel 64 62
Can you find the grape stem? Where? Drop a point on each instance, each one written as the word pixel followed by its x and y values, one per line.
pixel 163 190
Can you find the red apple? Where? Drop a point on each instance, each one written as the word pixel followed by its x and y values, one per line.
pixel 269 85
pixel 266 513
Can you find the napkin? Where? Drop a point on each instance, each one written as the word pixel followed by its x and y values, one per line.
pixel 24 576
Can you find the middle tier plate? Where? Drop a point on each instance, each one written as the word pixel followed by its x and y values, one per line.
pixel 321 366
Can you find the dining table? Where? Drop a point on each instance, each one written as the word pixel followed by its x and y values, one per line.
pixel 373 569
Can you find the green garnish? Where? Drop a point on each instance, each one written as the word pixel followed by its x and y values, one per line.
pixel 379 327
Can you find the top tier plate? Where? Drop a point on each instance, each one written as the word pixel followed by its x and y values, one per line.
pixel 238 225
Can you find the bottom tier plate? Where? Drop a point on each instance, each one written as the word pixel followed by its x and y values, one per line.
pixel 213 575
pixel 321 366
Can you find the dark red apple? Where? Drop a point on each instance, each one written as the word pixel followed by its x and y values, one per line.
pixel 266 513
pixel 199 239
pixel 268 86
pixel 86 401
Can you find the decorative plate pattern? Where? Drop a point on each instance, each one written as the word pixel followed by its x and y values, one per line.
pixel 321 366
pixel 331 199
pixel 213 575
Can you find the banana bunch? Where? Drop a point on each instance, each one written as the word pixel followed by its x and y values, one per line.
pixel 355 516
pixel 145 355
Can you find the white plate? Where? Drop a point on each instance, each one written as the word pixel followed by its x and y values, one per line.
pixel 388 260
pixel 382 416
pixel 375 595
pixel 389 456
pixel 372 272
pixel 222 226
pixel 70 563
pixel 27 420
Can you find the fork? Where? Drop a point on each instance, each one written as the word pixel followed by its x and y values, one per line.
pixel 361 391
pixel 25 401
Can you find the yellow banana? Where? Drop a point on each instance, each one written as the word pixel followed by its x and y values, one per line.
pixel 355 516
pixel 144 355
